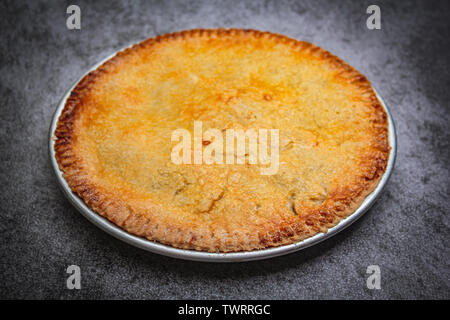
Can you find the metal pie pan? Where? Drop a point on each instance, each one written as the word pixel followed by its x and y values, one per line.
pixel 193 255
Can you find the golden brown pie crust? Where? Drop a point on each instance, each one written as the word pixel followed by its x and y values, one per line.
pixel 114 132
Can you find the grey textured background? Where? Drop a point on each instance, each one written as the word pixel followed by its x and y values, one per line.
pixel 406 233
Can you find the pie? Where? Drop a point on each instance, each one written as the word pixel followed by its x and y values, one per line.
pixel 113 139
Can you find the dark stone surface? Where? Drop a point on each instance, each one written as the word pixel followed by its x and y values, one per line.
pixel 406 233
